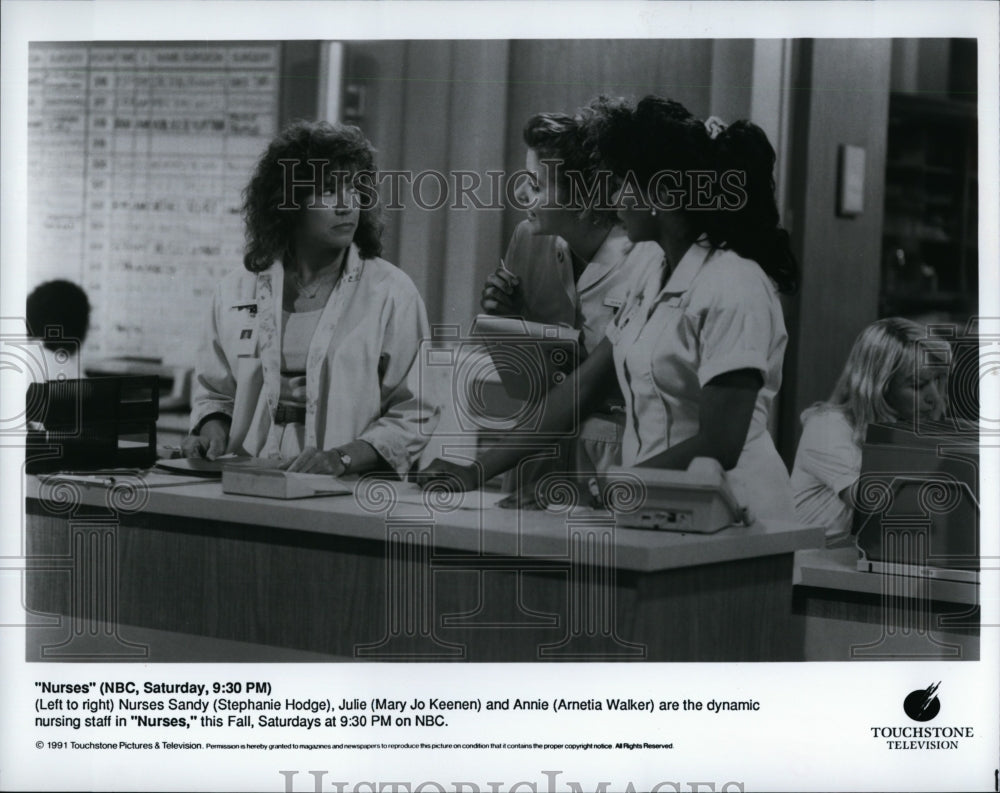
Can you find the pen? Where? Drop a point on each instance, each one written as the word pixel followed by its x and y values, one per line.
pixel 505 268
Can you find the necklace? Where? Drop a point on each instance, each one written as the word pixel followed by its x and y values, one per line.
pixel 317 283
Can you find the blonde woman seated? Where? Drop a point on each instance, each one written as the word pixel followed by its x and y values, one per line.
pixel 880 384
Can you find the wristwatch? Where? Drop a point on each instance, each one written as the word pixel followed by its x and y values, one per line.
pixel 345 460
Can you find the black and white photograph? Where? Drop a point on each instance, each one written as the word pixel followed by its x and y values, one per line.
pixel 570 396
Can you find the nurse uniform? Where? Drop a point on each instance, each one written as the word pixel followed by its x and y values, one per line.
pixel 716 313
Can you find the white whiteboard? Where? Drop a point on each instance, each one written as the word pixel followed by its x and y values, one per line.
pixel 137 155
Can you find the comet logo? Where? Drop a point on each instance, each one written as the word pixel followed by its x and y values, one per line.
pixel 922 704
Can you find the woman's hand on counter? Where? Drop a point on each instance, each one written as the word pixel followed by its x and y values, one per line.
pixel 443 474
pixel 523 498
pixel 210 442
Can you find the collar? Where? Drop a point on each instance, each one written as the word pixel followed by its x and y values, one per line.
pixel 606 258
pixel 687 268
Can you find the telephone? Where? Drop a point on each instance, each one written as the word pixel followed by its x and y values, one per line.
pixel 697 500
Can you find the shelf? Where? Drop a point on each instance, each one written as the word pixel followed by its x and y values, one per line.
pixel 918 236
pixel 920 167
pixel 930 208
pixel 902 305
pixel 942 111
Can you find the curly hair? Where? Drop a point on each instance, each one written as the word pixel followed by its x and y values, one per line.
pixel 307 144
pixel 660 135
pixel 572 141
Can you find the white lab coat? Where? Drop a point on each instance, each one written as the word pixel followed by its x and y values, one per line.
pixel 362 368
pixel 716 313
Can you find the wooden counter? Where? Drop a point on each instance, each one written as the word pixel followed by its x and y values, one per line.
pixel 356 577
pixel 854 615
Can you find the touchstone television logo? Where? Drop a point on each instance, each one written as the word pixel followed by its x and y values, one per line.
pixel 923 704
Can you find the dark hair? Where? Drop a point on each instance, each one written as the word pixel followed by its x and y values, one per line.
pixel 61 305
pixel 661 135
pixel 573 141
pixel 334 147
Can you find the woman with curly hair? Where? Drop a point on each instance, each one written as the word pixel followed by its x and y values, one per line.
pixel 311 350
pixel 569 261
pixel 698 345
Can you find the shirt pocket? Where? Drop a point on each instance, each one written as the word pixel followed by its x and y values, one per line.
pixel 650 411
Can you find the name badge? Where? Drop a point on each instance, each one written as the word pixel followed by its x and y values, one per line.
pixel 624 318
pixel 613 301
pixel 247 345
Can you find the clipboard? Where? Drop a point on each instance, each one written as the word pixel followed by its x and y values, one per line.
pixel 212 469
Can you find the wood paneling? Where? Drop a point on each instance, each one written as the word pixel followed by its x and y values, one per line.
pixel 846 626
pixel 437 106
pixel 842 97
pixel 476 142
pixel 329 594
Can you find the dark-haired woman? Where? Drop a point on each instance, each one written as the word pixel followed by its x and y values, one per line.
pixel 311 352
pixel 699 343
pixel 570 261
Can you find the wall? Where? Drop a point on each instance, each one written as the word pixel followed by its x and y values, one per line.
pixel 465 102
pixel 935 68
pixel 841 96
pixel 453 97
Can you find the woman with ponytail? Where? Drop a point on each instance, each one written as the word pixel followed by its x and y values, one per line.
pixel 698 344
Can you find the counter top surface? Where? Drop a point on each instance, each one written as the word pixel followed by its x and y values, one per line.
pixel 836 569
pixel 532 534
